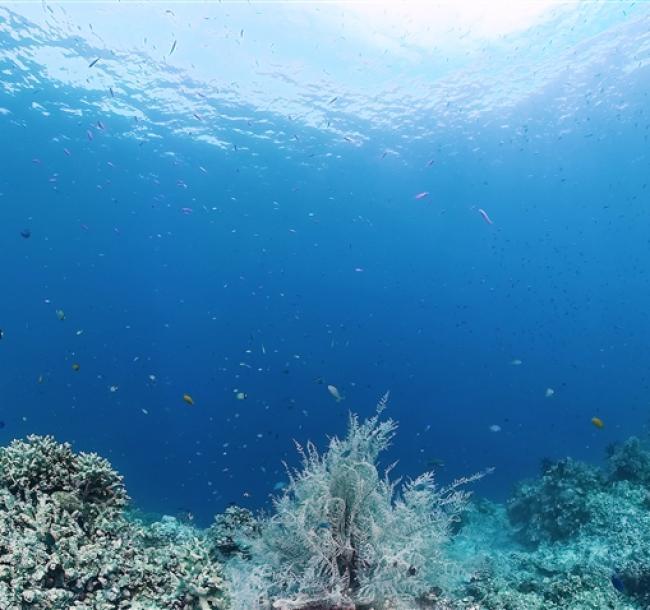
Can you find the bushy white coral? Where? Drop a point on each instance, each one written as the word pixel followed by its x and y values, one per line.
pixel 343 536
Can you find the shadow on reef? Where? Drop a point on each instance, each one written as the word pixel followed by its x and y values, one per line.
pixel 342 536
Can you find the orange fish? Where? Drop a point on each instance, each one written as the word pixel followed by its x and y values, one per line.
pixel 188 399
pixel 596 421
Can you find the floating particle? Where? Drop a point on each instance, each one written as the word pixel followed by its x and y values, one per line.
pixel 599 423
pixel 2 333
pixel 549 392
pixel 334 391
pixel 188 399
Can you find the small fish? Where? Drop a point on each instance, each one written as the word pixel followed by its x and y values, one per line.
pixel 113 389
pixel 76 367
pixel 60 314
pixel 422 195
pixel 110 89
pixel 2 333
pixel 40 379
pixel 66 152
pixel 89 135
pixel 549 392
pixel 617 582
pixel 93 62
pixel 241 396
pixel 100 125
pixel 516 362
pixel 599 423
pixel 334 391
pixel 26 233
pixel 495 428
pixel 173 47
pixel 333 100
pixel 279 486
pixel 2 424
pixel 485 216
pixel 188 399
pixel 186 211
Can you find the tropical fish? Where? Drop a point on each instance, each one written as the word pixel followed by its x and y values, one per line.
pixel 617 582
pixel 599 423
pixel 334 391
pixel 188 399
pixel 485 216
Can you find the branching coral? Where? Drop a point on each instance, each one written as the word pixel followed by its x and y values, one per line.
pixel 343 536
pixel 65 544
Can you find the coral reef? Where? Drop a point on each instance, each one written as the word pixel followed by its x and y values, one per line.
pixel 65 543
pixel 345 537
pixel 581 539
pixel 557 505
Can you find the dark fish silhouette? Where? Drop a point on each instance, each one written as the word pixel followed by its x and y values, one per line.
pixel 93 62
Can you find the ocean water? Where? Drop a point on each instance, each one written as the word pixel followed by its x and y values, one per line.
pixel 270 198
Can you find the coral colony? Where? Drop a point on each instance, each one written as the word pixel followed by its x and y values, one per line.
pixel 343 535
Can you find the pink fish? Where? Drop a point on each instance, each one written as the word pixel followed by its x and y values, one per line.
pixel 186 211
pixel 422 195
pixel 485 216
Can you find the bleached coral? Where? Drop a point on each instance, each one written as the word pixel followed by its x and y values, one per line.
pixel 343 536
pixel 65 543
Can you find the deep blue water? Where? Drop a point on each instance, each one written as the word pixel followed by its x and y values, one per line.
pixel 307 259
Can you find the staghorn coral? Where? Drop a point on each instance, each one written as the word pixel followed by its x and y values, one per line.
pixel 344 537
pixel 65 543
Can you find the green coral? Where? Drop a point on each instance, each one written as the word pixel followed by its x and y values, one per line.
pixel 555 506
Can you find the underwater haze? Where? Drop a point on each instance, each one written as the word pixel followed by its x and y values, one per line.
pixel 226 225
